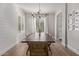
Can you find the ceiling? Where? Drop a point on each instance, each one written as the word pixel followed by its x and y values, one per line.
pixel 45 7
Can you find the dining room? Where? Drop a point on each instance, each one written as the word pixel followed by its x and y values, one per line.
pixel 37 29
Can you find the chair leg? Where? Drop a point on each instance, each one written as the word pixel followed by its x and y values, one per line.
pixel 27 50
pixel 50 50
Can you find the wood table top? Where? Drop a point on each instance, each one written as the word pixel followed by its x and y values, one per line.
pixel 43 37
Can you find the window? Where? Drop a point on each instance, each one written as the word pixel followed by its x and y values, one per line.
pixel 40 25
pixel 20 23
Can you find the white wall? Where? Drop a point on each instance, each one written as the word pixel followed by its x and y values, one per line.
pixel 51 23
pixel 73 36
pixel 8 26
pixel 29 24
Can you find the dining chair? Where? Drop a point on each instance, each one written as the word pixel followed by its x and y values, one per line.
pixel 27 49
pixel 50 42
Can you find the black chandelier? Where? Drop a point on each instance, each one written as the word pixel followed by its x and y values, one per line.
pixel 38 14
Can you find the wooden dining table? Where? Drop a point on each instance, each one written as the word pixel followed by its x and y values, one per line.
pixel 38 44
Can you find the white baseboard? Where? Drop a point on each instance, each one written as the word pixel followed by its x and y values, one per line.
pixel 5 50
pixel 74 50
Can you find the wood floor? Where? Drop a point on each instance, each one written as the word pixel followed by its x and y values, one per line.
pixel 57 50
